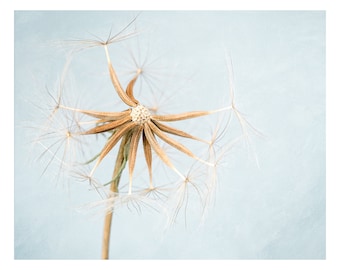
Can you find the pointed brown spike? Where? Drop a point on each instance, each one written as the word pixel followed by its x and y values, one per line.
pixel 129 89
pixel 176 132
pixel 114 79
pixel 109 126
pixel 148 156
pixel 106 115
pixel 113 141
pixel 170 141
pixel 159 151
pixel 188 115
pixel 181 116
pixel 133 149
pixel 155 146
pixel 175 144
pixel 100 115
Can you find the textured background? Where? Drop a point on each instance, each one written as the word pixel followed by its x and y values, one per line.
pixel 276 211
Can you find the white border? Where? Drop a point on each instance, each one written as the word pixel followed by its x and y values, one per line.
pixel 172 5
pixel 332 132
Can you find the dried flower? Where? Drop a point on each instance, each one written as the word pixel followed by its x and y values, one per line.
pixel 126 132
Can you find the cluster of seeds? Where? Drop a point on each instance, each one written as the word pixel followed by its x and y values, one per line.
pixel 140 114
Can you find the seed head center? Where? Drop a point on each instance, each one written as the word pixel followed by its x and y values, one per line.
pixel 140 114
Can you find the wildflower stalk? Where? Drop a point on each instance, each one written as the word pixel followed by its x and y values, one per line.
pixel 134 124
pixel 120 164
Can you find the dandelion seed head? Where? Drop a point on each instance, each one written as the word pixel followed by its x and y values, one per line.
pixel 127 130
pixel 140 114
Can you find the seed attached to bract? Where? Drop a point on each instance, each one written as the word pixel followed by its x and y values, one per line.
pixel 140 114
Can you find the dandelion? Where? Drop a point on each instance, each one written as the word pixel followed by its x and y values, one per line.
pixel 140 128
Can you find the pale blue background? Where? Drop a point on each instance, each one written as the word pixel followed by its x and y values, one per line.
pixel 276 211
